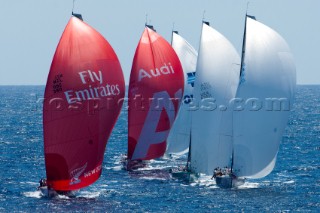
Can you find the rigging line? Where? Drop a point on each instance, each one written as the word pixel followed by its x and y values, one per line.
pixel 73 6
pixel 146 18
pixel 203 15
pixel 247 7
pixel 190 143
pixel 172 33
pixel 189 153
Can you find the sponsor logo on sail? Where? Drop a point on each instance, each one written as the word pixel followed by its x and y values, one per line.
pixel 92 172
pixel 103 90
pixel 75 174
pixel 153 73
pixel 149 135
pixel 191 78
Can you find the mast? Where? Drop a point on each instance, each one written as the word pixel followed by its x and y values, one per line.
pixel 173 31
pixel 241 80
pixel 242 69
pixel 232 138
pixel 243 53
pixel 243 48
pixel 179 136
pixel 189 155
pixel 232 160
pixel 190 140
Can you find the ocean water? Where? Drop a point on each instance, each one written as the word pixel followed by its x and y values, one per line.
pixel 294 184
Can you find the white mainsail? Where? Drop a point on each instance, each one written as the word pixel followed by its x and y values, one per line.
pixel 217 79
pixel 264 99
pixel 179 136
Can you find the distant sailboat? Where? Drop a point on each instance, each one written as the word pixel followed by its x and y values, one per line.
pixel 155 90
pixel 179 137
pixel 215 85
pixel 83 90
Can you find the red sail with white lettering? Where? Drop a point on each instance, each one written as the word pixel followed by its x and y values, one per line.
pixel 155 91
pixel 83 99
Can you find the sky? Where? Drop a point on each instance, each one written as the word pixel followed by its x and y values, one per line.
pixel 30 30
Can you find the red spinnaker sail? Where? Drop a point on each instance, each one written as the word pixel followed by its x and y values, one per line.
pixel 83 99
pixel 155 90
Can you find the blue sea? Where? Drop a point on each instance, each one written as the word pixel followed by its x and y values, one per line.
pixel 294 184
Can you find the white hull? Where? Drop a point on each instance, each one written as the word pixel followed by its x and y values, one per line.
pixel 52 193
pixel 227 181
pixel 48 192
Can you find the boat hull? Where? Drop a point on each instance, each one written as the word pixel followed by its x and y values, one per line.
pixel 227 181
pixel 185 175
pixel 131 165
pixel 52 193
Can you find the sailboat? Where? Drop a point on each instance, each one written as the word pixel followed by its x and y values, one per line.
pixel 267 84
pixel 215 85
pixel 83 96
pixel 179 137
pixel 244 135
pixel 155 91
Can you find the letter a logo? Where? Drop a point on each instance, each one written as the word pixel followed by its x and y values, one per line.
pixel 149 135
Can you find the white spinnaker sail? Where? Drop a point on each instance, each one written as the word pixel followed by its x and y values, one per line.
pixel 179 136
pixel 269 74
pixel 217 79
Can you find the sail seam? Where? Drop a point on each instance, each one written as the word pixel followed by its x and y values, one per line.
pixel 152 49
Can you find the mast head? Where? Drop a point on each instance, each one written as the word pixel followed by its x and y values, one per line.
pixel 77 15
pixel 150 27
pixel 252 17
pixel 175 31
pixel 206 22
